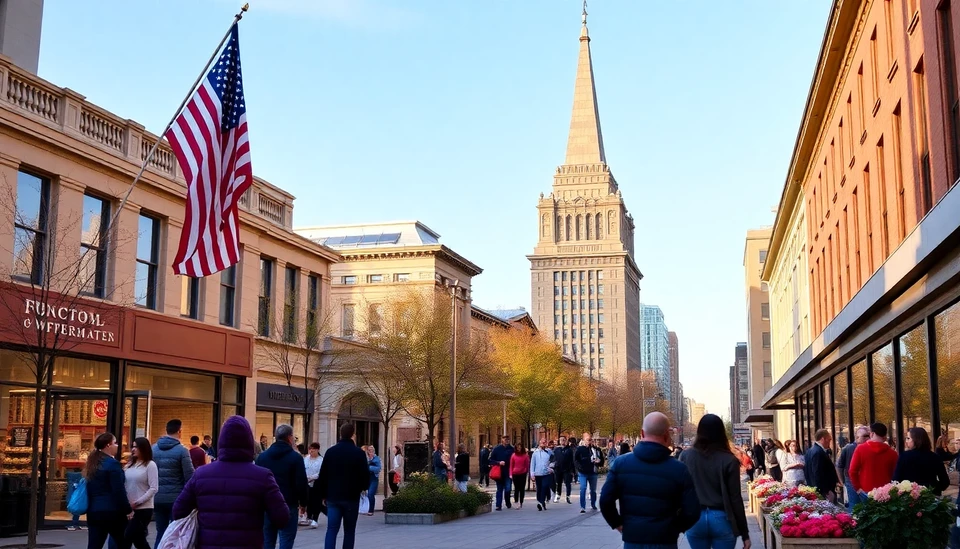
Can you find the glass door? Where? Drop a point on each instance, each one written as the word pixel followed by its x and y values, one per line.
pixel 75 422
pixel 136 420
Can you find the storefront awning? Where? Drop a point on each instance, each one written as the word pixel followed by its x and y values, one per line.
pixel 759 416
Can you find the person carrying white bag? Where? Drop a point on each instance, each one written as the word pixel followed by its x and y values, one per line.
pixel 230 498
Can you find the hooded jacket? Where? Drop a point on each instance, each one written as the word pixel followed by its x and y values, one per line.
pixel 657 498
pixel 174 469
pixel 287 467
pixel 872 465
pixel 232 495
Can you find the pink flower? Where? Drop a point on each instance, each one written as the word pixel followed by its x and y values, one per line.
pixel 919 513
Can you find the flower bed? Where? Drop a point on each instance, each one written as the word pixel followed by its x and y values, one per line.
pixel 903 515
pixel 803 492
pixel 433 502
pixel 803 522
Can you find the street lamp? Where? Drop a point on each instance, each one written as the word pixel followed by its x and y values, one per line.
pixel 454 286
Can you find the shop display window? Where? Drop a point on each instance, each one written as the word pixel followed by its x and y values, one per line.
pixel 17 368
pixel 884 391
pixel 947 328
pixel 173 384
pixel 841 410
pixel 915 380
pixel 81 373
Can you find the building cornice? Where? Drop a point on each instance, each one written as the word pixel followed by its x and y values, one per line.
pixel 438 250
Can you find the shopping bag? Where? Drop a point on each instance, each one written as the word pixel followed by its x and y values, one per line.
pixel 78 499
pixel 495 472
pixel 364 506
pixel 180 534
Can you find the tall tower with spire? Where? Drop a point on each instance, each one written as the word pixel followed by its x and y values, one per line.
pixel 585 280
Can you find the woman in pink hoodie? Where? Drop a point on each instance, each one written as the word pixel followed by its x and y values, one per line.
pixel 519 468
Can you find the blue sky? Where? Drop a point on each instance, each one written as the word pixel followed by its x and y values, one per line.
pixel 456 113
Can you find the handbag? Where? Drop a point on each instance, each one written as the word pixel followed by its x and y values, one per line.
pixel 78 500
pixel 364 506
pixel 396 477
pixel 180 534
pixel 496 472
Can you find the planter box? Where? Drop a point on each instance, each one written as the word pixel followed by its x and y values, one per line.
pixel 754 506
pixel 781 542
pixel 430 518
pixel 762 520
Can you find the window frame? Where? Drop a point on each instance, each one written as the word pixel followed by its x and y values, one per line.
pixel 313 309
pixel 265 296
pixel 190 302
pixel 291 297
pixel 40 232
pixel 228 295
pixel 152 264
pixel 100 246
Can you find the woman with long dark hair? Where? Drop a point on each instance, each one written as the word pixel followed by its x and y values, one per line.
pixel 716 477
pixel 107 507
pixel 519 468
pixel 142 481
pixel 396 472
pixel 920 464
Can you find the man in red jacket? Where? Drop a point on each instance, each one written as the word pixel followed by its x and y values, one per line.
pixel 873 461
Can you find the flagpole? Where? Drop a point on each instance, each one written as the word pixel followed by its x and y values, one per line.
pixel 156 145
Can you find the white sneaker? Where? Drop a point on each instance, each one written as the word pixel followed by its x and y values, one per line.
pixel 556 499
pixel 313 524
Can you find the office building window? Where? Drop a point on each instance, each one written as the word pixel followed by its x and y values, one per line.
pixel 765 338
pixel 574 290
pixel 374 279
pixel 148 251
pixel 375 320
pixel 765 311
pixel 601 362
pixel 347 320
pixel 590 275
pixel 556 290
pixel 601 348
pixel 566 290
pixel 556 305
pixel 767 369
pixel 556 319
pixel 228 295
pixel 564 319
pixel 265 305
pixel 592 303
pixel 566 333
pixel 564 276
pixel 401 277
pixel 291 292
pixel 566 349
pixel 599 303
pixel 763 256
pixel 313 311
pixel 600 289
pixel 30 227
pixel 600 333
pixel 190 297
pixel 574 333
pixel 556 276
pixel 600 318
pixel 93 246
pixel 556 334
pixel 349 280
pixel 599 275
pixel 574 318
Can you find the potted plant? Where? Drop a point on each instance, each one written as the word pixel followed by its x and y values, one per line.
pixel 801 522
pixel 903 515
pixel 425 500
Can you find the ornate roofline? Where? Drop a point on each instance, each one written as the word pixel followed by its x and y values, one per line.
pixel 439 250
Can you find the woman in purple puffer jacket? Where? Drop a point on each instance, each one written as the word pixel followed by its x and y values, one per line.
pixel 232 495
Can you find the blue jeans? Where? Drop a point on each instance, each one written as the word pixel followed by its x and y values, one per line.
pixel 287 534
pixel 712 530
pixel 592 480
pixel 372 492
pixel 161 519
pixel 853 497
pixel 628 545
pixel 543 487
pixel 346 511
pixel 503 486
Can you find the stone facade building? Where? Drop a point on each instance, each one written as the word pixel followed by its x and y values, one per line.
pixel 759 365
pixel 585 284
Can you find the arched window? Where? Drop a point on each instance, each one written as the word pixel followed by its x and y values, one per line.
pixel 611 223
pixel 557 229
pixel 579 227
pixel 589 225
pixel 544 226
pixel 569 228
pixel 599 220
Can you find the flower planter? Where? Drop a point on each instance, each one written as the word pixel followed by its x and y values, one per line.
pixel 754 506
pixel 780 542
pixel 762 520
pixel 430 518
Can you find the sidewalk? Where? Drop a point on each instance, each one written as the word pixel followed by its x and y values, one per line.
pixel 561 526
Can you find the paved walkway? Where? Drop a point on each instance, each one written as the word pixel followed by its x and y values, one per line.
pixel 561 526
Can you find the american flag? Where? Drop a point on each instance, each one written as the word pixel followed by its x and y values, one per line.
pixel 210 141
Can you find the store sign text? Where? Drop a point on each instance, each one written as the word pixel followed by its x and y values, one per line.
pixel 67 321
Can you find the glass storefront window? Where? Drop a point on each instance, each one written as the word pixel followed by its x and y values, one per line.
pixel 841 410
pixel 17 368
pixel 861 393
pixel 915 380
pixel 80 373
pixel 168 383
pixel 811 418
pixel 197 418
pixel 826 408
pixel 884 391
pixel 947 326
pixel 230 391
pixel 267 423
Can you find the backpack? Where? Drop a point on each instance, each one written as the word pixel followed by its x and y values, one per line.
pixel 78 499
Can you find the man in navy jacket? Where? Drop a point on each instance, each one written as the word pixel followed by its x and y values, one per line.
pixel 286 464
pixel 500 457
pixel 818 469
pixel 656 494
pixel 344 476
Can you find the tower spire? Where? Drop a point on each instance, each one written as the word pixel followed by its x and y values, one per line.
pixel 585 141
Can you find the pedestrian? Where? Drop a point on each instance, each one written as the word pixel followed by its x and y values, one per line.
pixel 396 473
pixel 107 503
pixel 208 448
pixel 562 468
pixel 311 464
pixel 759 463
pixel 519 469
pixel 773 451
pixel 920 464
pixel 485 466
pixel 542 474
pixel 716 476
pixel 588 459
pixel 861 435
pixel 746 463
pixel 624 448
pixel 440 466
pixel 197 455
pixel 262 445
pixel 461 468
pixel 286 464
pixel 791 464
pixel 375 466
pixel 344 476
pixel 656 496
pixel 73 482
pixel 141 482
pixel 174 469
pixel 500 457
pixel 232 496
pixel 612 451
pixel 873 461
pixel 818 470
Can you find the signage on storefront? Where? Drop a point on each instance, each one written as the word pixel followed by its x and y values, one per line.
pixel 100 409
pixel 73 322
pixel 282 397
pixel 20 437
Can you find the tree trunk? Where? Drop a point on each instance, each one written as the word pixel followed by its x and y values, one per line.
pixel 35 465
pixel 430 430
pixel 386 452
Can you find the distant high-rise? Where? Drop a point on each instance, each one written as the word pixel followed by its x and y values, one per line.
pixel 655 348
pixel 20 24
pixel 676 395
pixel 739 387
pixel 585 284
pixel 759 366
